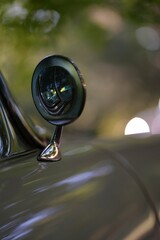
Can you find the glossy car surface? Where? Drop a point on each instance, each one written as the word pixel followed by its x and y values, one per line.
pixel 93 193
pixel 99 190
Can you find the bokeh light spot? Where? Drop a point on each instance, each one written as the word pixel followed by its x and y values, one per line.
pixel 136 126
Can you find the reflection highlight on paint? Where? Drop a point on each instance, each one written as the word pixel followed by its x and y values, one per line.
pixel 85 177
pixel 79 179
pixel 26 227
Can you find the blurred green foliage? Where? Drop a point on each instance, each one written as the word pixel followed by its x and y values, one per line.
pixel 122 75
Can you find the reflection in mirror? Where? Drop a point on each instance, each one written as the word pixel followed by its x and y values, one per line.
pixel 56 89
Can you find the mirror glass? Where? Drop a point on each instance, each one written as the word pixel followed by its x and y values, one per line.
pixel 56 89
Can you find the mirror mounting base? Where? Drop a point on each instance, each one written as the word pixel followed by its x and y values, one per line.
pixel 52 152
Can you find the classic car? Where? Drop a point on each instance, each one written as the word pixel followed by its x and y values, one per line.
pixel 91 182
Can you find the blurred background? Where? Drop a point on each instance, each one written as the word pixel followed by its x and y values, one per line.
pixel 115 43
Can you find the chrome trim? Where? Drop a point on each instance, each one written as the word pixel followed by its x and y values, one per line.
pixel 52 151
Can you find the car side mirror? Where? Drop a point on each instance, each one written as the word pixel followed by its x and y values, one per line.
pixel 58 92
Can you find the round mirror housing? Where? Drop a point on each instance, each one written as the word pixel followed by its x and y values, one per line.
pixel 58 92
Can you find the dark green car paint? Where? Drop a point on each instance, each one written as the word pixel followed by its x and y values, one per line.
pixel 87 195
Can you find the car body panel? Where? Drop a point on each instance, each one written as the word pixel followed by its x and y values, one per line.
pixel 86 195
pixel 145 158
